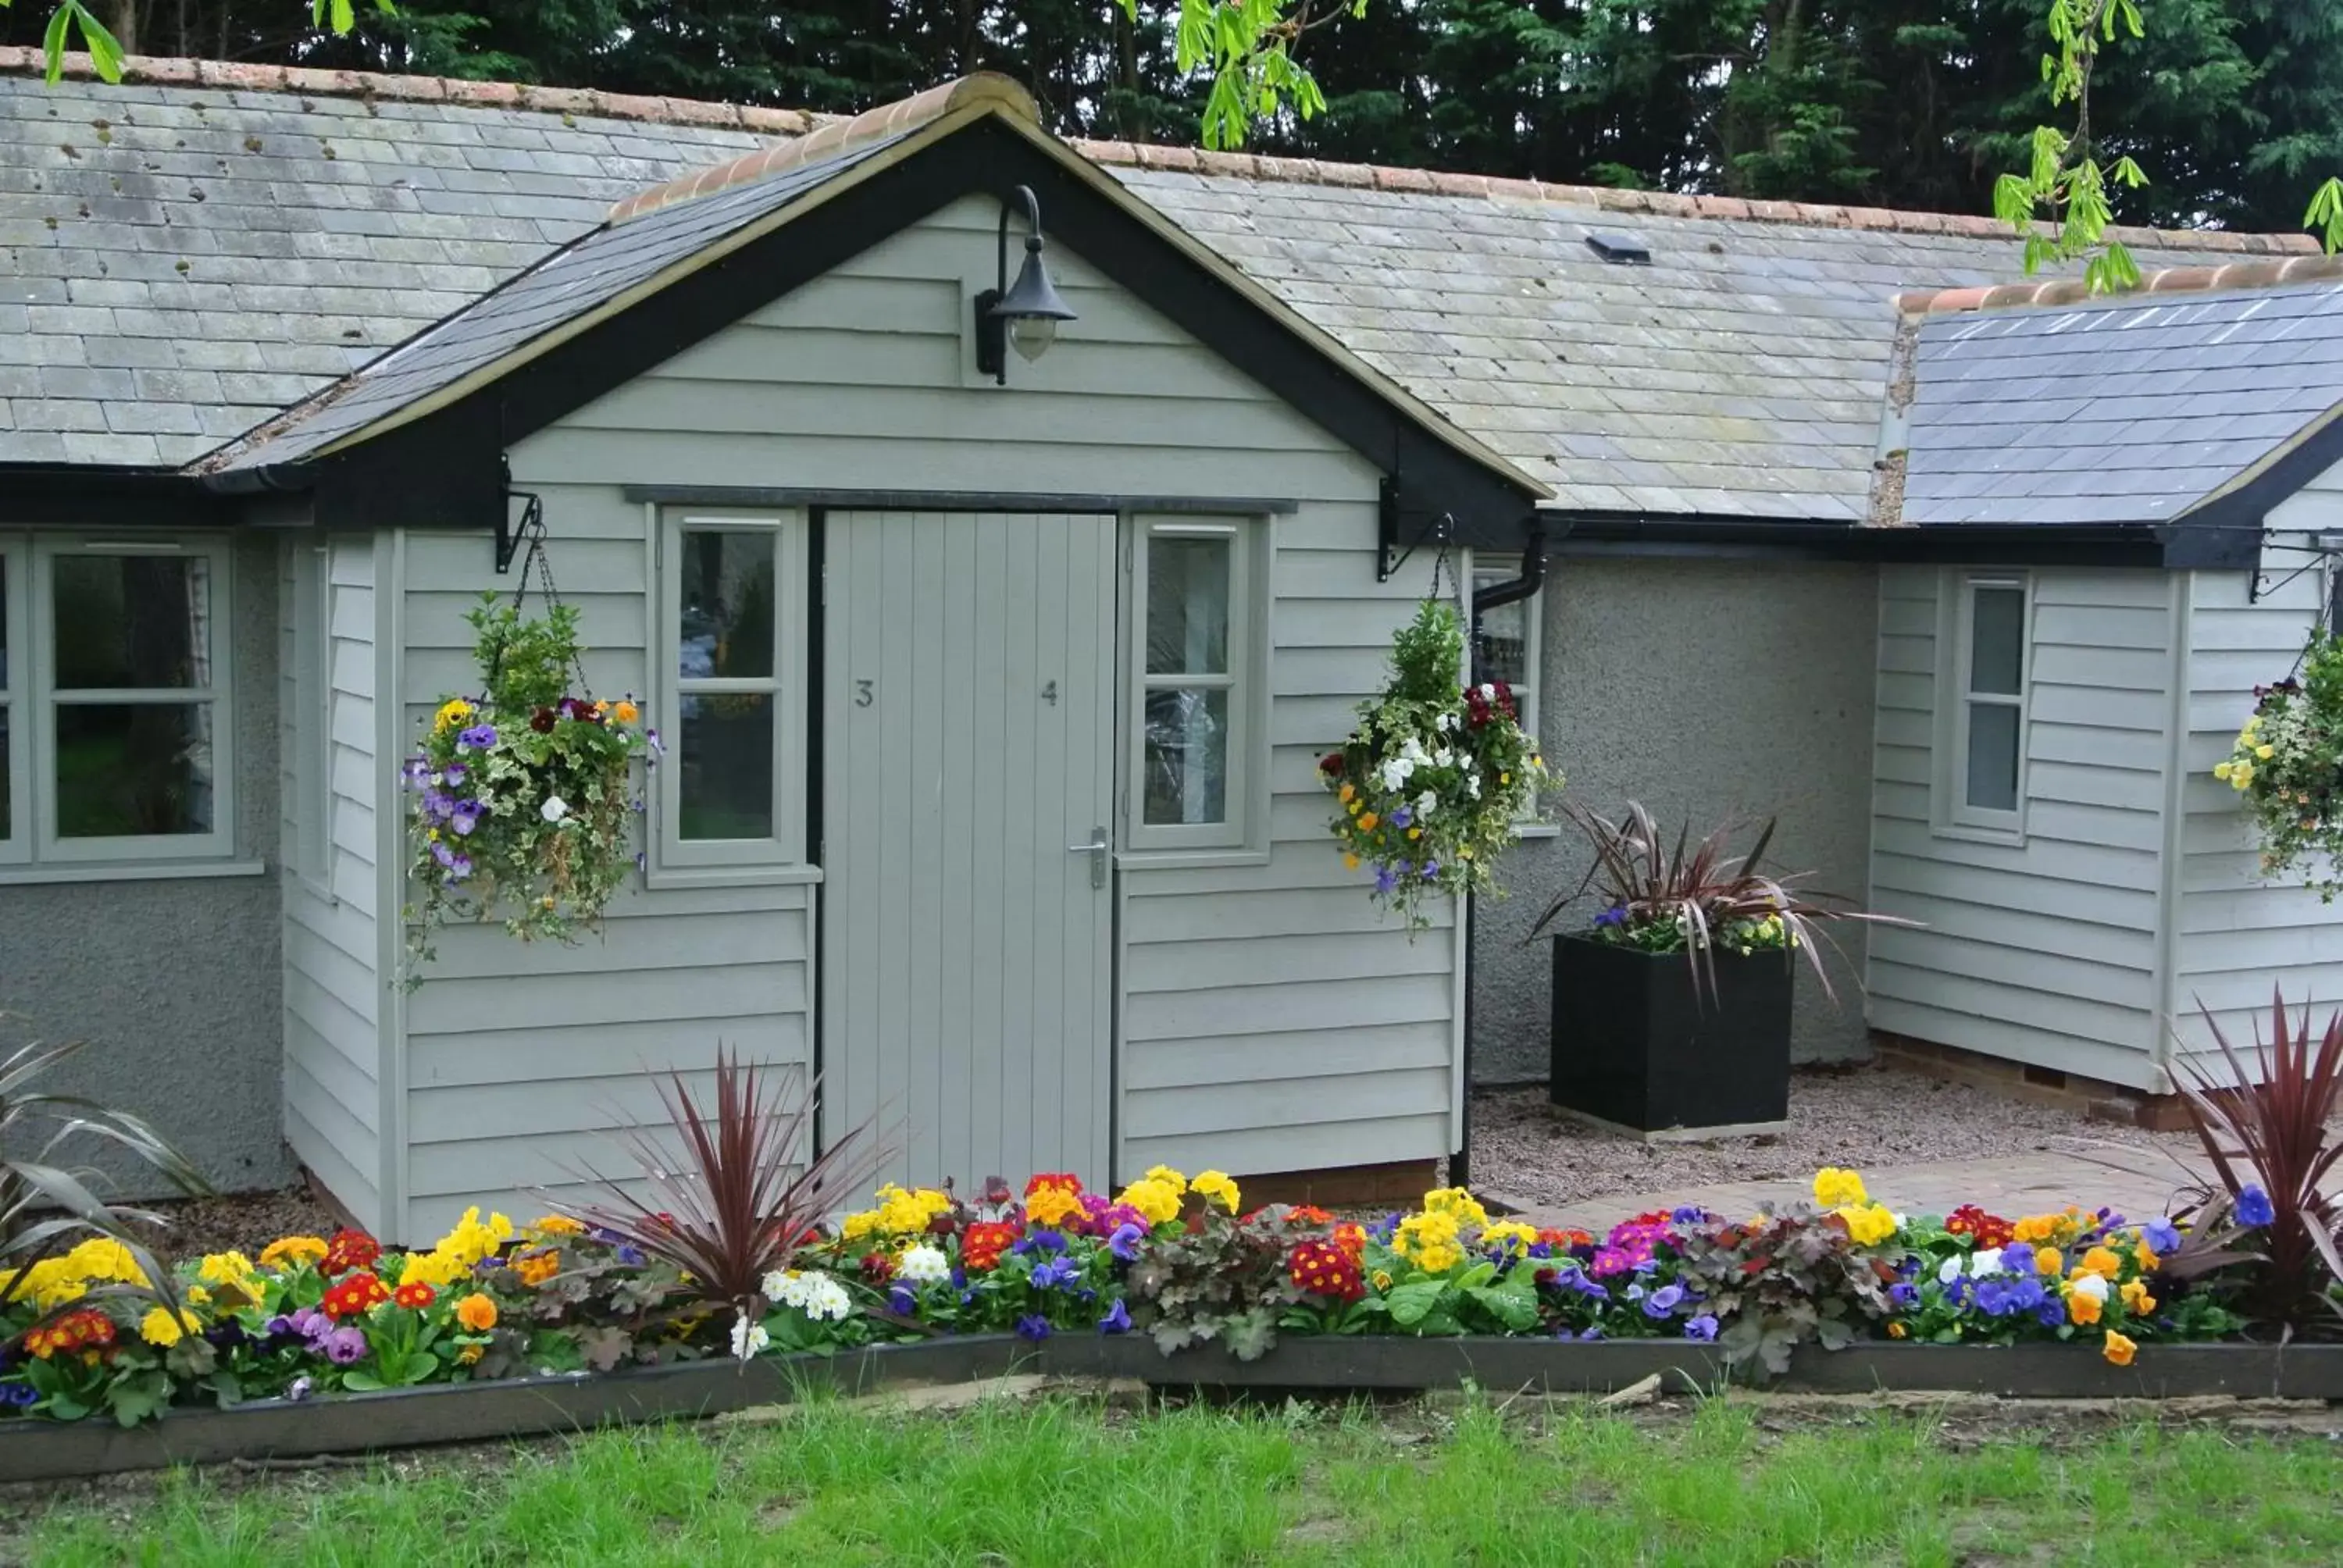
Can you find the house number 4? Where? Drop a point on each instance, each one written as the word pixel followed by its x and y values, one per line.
pixel 1050 694
pixel 863 697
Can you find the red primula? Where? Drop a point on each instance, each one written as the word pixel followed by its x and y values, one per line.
pixel 1066 1179
pixel 352 1294
pixel 417 1295
pixel 984 1243
pixel 350 1250
pixel 1325 1269
pixel 1986 1230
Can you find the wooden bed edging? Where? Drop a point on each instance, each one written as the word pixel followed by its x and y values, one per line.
pixel 458 1412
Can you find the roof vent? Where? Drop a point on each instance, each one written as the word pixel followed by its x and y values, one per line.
pixel 1619 250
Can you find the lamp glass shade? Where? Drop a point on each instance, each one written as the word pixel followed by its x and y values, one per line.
pixel 1031 335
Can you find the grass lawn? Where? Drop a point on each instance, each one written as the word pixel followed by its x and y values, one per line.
pixel 1069 1482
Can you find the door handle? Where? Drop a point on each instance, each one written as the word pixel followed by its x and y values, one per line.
pixel 1098 849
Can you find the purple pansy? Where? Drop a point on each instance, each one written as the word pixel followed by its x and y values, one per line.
pixel 1124 1242
pixel 1033 1326
pixel 1663 1301
pixel 1703 1327
pixel 345 1347
pixel 1116 1322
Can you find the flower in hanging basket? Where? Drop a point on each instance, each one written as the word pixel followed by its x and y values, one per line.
pixel 1432 782
pixel 524 796
pixel 2286 765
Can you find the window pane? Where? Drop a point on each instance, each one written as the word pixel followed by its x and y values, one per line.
pixel 134 768
pixel 126 621
pixel 1187 758
pixel 728 605
pixel 1188 605
pixel 724 767
pixel 1505 644
pixel 7 823
pixel 1997 640
pixel 4 646
pixel 1993 757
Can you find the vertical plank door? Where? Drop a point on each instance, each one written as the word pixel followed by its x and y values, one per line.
pixel 968 718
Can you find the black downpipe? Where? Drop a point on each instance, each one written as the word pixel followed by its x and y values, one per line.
pixel 1533 578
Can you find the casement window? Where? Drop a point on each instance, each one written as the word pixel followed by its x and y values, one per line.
pixel 731 708
pixel 1198 765
pixel 1982 673
pixel 1512 645
pixel 114 727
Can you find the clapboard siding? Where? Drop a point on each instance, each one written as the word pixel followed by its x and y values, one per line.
pixel 2046 950
pixel 333 984
pixel 2239 935
pixel 1277 973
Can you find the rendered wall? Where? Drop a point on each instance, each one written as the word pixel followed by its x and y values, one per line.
pixel 174 981
pixel 1712 689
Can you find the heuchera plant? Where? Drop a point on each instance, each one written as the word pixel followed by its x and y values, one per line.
pixel 2287 765
pixel 1434 779
pixel 525 794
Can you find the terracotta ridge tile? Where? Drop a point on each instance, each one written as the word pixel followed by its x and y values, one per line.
pixel 163 71
pixel 2266 272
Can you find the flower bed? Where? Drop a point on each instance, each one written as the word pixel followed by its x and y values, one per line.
pixel 1167 1261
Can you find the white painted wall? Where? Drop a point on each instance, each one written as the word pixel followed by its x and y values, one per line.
pixel 336 1006
pixel 1271 1020
pixel 2046 951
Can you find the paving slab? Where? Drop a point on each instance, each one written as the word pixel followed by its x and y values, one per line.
pixel 2135 1182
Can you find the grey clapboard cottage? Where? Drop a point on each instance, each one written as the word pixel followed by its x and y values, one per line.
pixel 281 351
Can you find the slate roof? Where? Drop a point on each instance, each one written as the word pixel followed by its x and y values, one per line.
pixel 2126 411
pixel 184 257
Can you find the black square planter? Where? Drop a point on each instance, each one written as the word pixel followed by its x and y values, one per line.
pixel 1633 1044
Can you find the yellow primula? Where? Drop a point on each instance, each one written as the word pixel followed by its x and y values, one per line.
pixel 2265 752
pixel 1157 1200
pixel 1869 1225
pixel 225 1269
pixel 1456 1203
pixel 165 1328
pixel 1511 1235
pixel 1216 1186
pixel 1169 1177
pixel 452 712
pixel 1053 1203
pixel 292 1251
pixel 1837 1188
pixel 470 1241
pixel 1428 1240
pixel 438 1270
pixel 858 1226
pixel 557 1225
pixel 903 1212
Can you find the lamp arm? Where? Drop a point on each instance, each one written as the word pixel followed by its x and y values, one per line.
pixel 1001 240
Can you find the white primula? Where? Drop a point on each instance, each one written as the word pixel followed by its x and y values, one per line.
pixel 922 1265
pixel 1425 803
pixel 553 810
pixel 2090 1285
pixel 810 1292
pixel 1949 1269
pixel 748 1336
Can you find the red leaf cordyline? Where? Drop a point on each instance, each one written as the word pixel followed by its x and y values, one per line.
pixel 1699 886
pixel 2269 1130
pixel 740 1202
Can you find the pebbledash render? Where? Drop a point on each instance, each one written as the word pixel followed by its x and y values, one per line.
pixel 283 352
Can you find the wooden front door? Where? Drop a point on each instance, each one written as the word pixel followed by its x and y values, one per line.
pixel 968 718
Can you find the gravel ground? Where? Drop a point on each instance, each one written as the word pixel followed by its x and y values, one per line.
pixel 1863 1117
pixel 240 1222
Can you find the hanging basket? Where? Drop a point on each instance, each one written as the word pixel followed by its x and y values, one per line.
pixel 1434 779
pixel 2287 765
pixel 525 794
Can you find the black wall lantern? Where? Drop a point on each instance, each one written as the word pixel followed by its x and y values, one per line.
pixel 1023 315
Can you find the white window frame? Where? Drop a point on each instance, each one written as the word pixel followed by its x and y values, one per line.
pixel 675 860
pixel 15 680
pixel 1956 663
pixel 34 654
pixel 1244 834
pixel 310 583
pixel 1484 571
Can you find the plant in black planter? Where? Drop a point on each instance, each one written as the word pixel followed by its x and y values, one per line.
pixel 1671 1006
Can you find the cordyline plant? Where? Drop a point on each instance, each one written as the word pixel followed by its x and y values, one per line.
pixel 1697 898
pixel 748 1193
pixel 2264 1130
pixel 46 1207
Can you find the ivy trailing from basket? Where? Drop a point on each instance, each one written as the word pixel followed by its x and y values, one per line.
pixel 1436 775
pixel 2287 765
pixel 525 795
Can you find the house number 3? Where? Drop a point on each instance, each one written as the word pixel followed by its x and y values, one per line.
pixel 863 697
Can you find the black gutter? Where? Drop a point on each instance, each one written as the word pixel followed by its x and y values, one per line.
pixel 56 495
pixel 1732 537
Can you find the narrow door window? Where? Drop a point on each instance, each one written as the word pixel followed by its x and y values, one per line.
pixel 1195 655
pixel 1990 694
